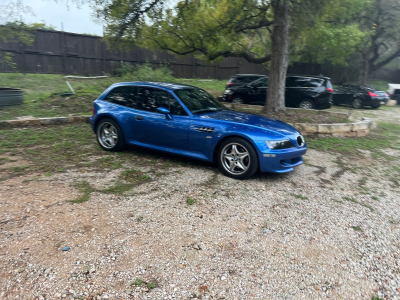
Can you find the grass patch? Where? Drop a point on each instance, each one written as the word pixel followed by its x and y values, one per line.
pixel 85 189
pixel 356 228
pixel 385 136
pixel 134 176
pixel 152 285
pixel 42 91
pixel 118 188
pixel 349 199
pixel 367 206
pixel 375 198
pixel 138 282
pixel 300 197
pixel 190 201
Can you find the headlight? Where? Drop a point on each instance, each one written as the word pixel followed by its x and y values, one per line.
pixel 282 144
pixel 228 91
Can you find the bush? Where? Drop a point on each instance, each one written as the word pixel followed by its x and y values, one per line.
pixel 145 72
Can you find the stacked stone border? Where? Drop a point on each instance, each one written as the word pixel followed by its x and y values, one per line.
pixel 27 122
pixel 353 129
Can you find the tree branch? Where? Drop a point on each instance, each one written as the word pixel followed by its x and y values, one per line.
pixel 250 58
pixel 384 62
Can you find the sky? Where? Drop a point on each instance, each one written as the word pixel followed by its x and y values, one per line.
pixel 52 13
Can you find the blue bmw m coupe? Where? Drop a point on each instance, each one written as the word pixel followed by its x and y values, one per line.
pixel 186 120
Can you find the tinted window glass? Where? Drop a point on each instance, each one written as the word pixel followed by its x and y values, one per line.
pixel 290 82
pixel 261 83
pixel 308 82
pixel 243 79
pixel 199 101
pixel 150 99
pixel 123 95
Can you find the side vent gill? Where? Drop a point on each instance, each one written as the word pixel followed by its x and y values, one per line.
pixel 204 129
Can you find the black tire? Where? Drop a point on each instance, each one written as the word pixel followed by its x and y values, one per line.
pixel 112 141
pixel 238 99
pixel 357 103
pixel 250 162
pixel 306 104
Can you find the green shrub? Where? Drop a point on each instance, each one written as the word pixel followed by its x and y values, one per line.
pixel 145 72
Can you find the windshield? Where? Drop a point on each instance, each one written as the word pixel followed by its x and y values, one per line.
pixel 199 101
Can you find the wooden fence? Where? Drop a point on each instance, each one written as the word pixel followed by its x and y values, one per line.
pixel 58 52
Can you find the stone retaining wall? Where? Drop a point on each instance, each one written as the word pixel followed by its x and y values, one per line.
pixel 356 128
pixel 31 121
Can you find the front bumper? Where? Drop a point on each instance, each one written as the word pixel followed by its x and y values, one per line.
pixel 279 161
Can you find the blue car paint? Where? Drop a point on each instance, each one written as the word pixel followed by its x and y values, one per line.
pixel 178 135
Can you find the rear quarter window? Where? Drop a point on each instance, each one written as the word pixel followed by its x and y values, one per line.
pixel 123 95
pixel 308 82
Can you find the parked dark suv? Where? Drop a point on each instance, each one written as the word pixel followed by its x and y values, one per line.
pixel 301 91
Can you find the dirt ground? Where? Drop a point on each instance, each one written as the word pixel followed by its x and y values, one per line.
pixel 329 229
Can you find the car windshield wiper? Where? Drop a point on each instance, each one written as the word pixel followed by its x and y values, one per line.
pixel 202 111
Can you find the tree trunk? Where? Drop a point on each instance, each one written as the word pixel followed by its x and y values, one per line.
pixel 365 68
pixel 280 57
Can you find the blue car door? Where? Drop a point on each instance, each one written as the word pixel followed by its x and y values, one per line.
pixel 153 128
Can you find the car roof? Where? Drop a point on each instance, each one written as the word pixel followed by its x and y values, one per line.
pixel 313 76
pixel 288 75
pixel 167 85
pixel 244 75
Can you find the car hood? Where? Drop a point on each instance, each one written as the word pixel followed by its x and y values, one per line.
pixel 253 120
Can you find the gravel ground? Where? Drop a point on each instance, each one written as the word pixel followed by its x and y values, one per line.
pixel 330 229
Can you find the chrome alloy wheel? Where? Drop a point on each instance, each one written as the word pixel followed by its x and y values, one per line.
pixel 306 105
pixel 107 135
pixel 237 100
pixel 235 158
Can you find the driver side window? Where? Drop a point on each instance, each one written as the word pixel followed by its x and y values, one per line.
pixel 149 99
pixel 262 83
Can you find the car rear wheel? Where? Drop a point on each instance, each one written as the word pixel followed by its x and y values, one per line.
pixel 306 104
pixel 109 135
pixel 237 99
pixel 237 158
pixel 357 103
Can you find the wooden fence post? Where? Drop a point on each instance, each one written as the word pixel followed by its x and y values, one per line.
pixel 64 63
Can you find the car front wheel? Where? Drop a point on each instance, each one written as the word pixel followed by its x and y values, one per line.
pixel 109 135
pixel 306 104
pixel 237 99
pixel 357 103
pixel 237 158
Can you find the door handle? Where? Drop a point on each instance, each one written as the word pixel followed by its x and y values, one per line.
pixel 138 118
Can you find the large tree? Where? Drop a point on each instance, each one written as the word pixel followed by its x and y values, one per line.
pixel 382 20
pixel 258 30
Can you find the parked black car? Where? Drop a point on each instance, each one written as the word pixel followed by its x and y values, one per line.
pixel 359 96
pixel 242 79
pixel 301 91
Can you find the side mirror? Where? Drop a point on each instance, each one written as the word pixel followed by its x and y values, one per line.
pixel 165 111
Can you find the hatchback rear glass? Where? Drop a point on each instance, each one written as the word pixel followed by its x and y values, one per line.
pixel 308 82
pixel 243 79
pixel 328 84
